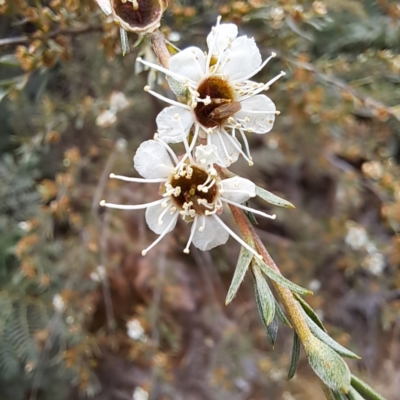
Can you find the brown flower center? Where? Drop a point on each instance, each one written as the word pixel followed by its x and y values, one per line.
pixel 137 13
pixel 191 195
pixel 221 94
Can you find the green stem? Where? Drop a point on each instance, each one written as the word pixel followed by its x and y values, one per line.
pixel 290 304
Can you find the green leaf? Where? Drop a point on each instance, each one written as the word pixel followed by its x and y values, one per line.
pixel 339 395
pixel 327 364
pixel 264 297
pixel 124 42
pixel 295 356
pixel 282 315
pixel 280 279
pixel 321 335
pixel 272 330
pixel 243 263
pixel 10 60
pixel 354 395
pixel 177 87
pixel 272 198
pixel 250 215
pixel 365 390
pixel 309 311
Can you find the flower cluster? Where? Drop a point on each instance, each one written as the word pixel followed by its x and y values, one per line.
pixel 218 101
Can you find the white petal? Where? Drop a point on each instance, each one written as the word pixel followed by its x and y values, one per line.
pixel 189 63
pixel 258 122
pixel 226 34
pixel 169 128
pixel 152 160
pixel 206 155
pixel 212 236
pixel 231 152
pixel 238 189
pixel 242 58
pixel 152 218
pixel 105 5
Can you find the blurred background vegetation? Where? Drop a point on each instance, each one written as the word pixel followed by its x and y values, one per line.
pixel 82 313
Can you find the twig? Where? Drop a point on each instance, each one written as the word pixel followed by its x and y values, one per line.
pixel 50 35
pixel 160 48
pixel 365 100
pixel 289 302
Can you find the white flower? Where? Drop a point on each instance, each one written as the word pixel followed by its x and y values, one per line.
pixel 58 303
pixel 221 99
pixel 118 102
pixel 106 118
pixel 357 237
pixel 140 394
pixel 375 263
pixel 135 330
pixel 191 189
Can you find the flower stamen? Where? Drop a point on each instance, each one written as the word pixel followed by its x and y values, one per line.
pixel 236 237
pixel 167 230
pixel 192 231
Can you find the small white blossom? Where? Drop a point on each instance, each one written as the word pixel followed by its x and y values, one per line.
pixel 191 190
pixel 140 394
pixel 135 330
pixel 106 118
pixel 99 275
pixel 25 226
pixel 314 285
pixel 118 102
pixel 58 303
pixel 221 100
pixel 375 263
pixel 356 237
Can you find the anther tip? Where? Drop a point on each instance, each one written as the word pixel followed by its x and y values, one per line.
pixel 259 256
pixel 102 203
pixel 146 88
pixel 139 59
pixel 112 175
pixel 273 216
pixel 283 73
pixel 144 252
pixel 273 54
pixel 186 251
pixel 251 163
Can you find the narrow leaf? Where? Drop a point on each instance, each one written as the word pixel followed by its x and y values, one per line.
pixel 309 311
pixel 282 315
pixel 339 395
pixel 295 356
pixel 124 42
pixel 329 395
pixel 365 390
pixel 264 297
pixel 273 198
pixel 250 215
pixel 272 330
pixel 9 60
pixel 321 335
pixel 328 365
pixel 280 279
pixel 241 267
pixel 177 87
pixel 354 395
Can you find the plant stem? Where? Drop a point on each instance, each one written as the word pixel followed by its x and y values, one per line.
pixel 290 304
pixel 160 48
